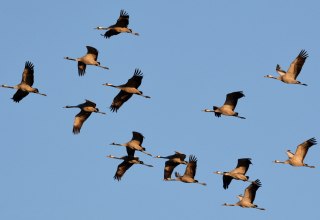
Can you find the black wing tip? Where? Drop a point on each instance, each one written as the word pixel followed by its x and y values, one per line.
pixel 116 177
pixel 137 72
pixel 29 65
pixel 312 141
pixel 16 100
pixel 303 54
pixel 123 13
pixel 81 72
pixel 76 130
pixel 192 158
pixel 240 94
pixel 114 109
pixel 257 182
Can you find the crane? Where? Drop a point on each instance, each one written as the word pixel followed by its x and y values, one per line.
pixel 246 201
pixel 297 158
pixel 173 161
pixel 127 90
pixel 293 72
pixel 238 173
pixel 228 106
pixel 89 59
pixel 86 109
pixel 25 86
pixel 120 27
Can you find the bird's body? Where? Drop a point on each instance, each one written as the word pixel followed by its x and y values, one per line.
pixel 173 161
pixel 128 161
pixel 238 173
pixel 246 201
pixel 89 59
pixel 86 109
pixel 120 27
pixel 25 86
pixel 190 172
pixel 297 159
pixel 290 77
pixel 134 144
pixel 127 90
pixel 229 105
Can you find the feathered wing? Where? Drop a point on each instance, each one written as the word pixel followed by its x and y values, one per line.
pixel 122 168
pixel 93 52
pixel 130 152
pixel 19 95
pixel 81 68
pixel 80 118
pixel 118 101
pixel 137 136
pixel 242 166
pixel 27 75
pixel 191 167
pixel 135 80
pixel 303 148
pixel 232 99
pixel 90 103
pixel 226 181
pixel 168 169
pixel 123 20
pixel 250 191
pixel 110 33
pixel 297 64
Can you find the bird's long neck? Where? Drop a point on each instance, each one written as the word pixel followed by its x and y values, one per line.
pixel 218 172
pixel 116 144
pixel 9 87
pixel 71 106
pixel 226 204
pixel 283 162
pixel 207 110
pixel 114 157
pixel 102 28
pixel 109 84
pixel 69 58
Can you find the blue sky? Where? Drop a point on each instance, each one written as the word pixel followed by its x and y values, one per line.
pixel 192 54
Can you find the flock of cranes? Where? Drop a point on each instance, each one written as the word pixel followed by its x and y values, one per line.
pixel 135 144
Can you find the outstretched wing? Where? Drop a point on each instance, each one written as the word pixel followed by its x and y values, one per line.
pixel 168 169
pixel 110 33
pixel 232 99
pixel 226 181
pixel 303 148
pixel 242 166
pixel 90 103
pixel 191 167
pixel 135 80
pixel 92 52
pixel 19 95
pixel 122 168
pixel 123 19
pixel 27 75
pixel 296 65
pixel 80 118
pixel 137 136
pixel 121 98
pixel 81 68
pixel 250 191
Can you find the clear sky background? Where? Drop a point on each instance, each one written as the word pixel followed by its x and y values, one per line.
pixel 192 53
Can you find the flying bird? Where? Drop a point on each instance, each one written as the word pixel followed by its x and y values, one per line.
pixel 228 106
pixel 238 173
pixel 134 144
pixel 292 73
pixel 190 172
pixel 25 86
pixel 89 59
pixel 128 161
pixel 173 161
pixel 120 27
pixel 127 90
pixel 296 159
pixel 86 109
pixel 246 201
